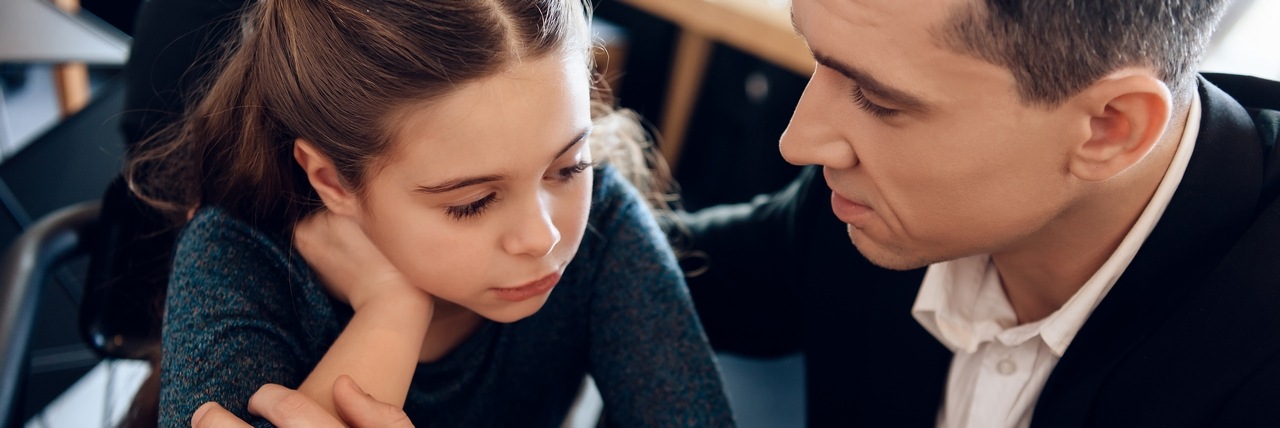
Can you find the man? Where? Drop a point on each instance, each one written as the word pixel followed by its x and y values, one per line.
pixel 1055 222
pixel 1060 223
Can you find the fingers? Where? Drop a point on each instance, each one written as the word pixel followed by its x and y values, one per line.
pixel 285 407
pixel 362 410
pixel 212 415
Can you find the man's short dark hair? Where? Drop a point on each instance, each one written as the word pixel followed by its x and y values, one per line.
pixel 1056 48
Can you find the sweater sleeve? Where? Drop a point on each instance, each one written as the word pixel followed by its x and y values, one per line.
pixel 231 324
pixel 648 354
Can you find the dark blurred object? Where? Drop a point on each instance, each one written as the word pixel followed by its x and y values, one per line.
pixel 12 76
pixel 648 57
pixel 70 163
pixel 731 149
pixel 121 308
pixel 119 13
pixel 175 47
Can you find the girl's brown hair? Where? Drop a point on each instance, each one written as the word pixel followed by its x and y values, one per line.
pixel 335 73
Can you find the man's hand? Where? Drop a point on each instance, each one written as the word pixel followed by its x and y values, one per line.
pixel 287 408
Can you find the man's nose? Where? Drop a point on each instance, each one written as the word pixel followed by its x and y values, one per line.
pixel 812 137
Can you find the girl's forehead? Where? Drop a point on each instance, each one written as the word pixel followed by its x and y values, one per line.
pixel 527 112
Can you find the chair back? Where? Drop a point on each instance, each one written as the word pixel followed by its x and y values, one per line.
pixel 40 249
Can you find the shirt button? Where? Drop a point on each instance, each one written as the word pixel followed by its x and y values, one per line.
pixel 1006 367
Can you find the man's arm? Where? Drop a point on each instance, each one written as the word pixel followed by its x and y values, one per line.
pixel 287 408
pixel 745 262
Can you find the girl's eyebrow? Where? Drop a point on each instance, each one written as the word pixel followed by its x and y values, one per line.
pixel 458 183
pixel 582 136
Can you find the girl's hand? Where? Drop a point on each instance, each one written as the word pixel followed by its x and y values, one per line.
pixel 350 266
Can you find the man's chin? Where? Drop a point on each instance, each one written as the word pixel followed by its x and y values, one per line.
pixel 883 257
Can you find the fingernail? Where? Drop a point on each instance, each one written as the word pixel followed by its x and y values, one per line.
pixel 204 408
pixel 354 385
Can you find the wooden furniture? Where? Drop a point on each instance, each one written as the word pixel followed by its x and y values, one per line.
pixel 38 31
pixel 71 78
pixel 758 27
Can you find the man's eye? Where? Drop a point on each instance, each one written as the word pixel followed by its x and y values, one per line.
pixel 868 106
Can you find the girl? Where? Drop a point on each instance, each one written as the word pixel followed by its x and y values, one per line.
pixel 450 149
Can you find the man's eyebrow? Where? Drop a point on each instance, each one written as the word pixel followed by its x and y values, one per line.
pixel 458 183
pixel 894 96
pixel 792 12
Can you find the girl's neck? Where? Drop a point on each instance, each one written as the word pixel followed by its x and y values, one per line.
pixel 450 326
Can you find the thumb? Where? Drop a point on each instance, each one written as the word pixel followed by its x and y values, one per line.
pixel 359 409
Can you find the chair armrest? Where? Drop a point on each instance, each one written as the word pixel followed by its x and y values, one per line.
pixel 53 239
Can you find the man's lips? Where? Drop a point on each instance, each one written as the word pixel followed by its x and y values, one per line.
pixel 848 211
pixel 527 291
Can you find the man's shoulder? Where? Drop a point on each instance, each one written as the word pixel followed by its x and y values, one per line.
pixel 1250 91
pixel 1261 100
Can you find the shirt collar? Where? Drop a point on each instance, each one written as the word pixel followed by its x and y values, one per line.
pixel 962 303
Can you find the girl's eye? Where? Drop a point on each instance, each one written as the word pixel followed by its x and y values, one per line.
pixel 870 107
pixel 466 211
pixel 569 173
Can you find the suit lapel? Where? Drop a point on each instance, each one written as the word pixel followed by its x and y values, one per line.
pixel 1211 208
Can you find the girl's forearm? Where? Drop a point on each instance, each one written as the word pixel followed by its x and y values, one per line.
pixel 379 349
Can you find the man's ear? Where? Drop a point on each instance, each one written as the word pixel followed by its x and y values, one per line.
pixel 1128 114
pixel 324 178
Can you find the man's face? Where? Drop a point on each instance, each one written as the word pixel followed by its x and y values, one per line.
pixel 930 153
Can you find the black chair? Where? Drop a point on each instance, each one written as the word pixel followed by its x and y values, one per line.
pixel 35 255
pixel 49 180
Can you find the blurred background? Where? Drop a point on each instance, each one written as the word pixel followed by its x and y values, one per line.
pixel 717 79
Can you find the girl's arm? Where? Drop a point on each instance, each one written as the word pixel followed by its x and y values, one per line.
pixel 648 353
pixel 380 346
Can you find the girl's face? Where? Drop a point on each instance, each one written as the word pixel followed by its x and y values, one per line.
pixel 485 197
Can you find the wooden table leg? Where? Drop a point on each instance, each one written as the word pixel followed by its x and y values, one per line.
pixel 692 53
pixel 72 82
pixel 71 79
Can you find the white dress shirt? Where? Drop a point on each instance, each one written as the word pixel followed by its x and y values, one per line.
pixel 999 366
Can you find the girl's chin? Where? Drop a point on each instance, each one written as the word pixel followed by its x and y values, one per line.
pixel 512 312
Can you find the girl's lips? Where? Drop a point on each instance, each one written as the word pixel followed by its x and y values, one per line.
pixel 527 291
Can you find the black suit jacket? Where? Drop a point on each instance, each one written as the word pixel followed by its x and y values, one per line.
pixel 1188 336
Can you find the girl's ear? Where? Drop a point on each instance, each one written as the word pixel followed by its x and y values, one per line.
pixel 324 178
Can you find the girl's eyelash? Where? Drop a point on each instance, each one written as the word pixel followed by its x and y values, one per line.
pixel 466 211
pixel 569 173
pixel 868 106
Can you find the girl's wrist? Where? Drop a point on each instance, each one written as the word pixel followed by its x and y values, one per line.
pixel 401 308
